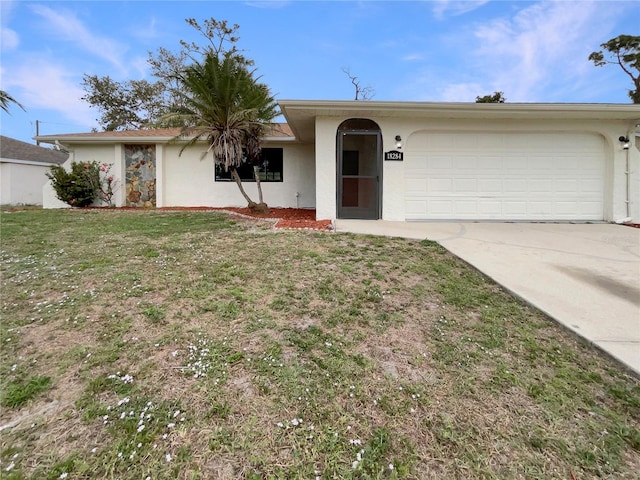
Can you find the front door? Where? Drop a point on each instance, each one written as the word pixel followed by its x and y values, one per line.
pixel 359 161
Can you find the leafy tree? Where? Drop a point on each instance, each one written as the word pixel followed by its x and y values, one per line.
pixel 497 97
pixel 624 51
pixel 6 99
pixel 139 104
pixel 225 103
pixel 130 105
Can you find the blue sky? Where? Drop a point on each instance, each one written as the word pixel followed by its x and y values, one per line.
pixel 405 50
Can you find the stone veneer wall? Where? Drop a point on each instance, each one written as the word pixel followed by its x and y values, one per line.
pixel 140 164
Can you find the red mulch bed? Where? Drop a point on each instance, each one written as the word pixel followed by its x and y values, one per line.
pixel 634 225
pixel 289 217
pixel 302 218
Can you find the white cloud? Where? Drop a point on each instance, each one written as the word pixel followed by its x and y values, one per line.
pixel 10 39
pixel 461 92
pixel 535 53
pixel 542 45
pixel 456 7
pixel 40 83
pixel 268 4
pixel 68 27
pixel 413 57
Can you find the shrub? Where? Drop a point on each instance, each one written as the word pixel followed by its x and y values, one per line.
pixel 78 187
pixel 83 184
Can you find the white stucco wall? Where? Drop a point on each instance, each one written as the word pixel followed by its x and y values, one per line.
pixel 326 169
pixel 188 181
pixel 21 183
pixel 393 174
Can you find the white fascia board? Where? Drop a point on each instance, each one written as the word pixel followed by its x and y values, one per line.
pixel 27 162
pixel 459 109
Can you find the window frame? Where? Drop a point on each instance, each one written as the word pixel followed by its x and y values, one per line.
pixel 275 159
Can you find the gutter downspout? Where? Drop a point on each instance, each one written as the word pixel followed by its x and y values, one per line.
pixel 627 173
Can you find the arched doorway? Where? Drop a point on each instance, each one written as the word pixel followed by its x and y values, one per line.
pixel 359 167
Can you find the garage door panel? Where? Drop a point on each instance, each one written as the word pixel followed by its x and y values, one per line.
pixel 490 163
pixel 516 164
pixel 440 185
pixel 490 185
pixel 568 186
pixel 508 176
pixel 465 185
pixel 465 162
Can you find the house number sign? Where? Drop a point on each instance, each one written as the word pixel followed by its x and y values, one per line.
pixel 394 155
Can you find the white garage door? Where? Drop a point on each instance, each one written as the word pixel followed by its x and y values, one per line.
pixel 504 176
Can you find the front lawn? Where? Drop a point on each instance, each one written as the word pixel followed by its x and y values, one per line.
pixel 164 345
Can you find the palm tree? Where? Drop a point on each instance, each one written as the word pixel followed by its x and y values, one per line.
pixel 225 104
pixel 6 99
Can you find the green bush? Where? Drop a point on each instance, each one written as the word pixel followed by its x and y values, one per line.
pixel 79 187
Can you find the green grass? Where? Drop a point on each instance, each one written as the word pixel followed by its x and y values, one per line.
pixel 16 393
pixel 285 355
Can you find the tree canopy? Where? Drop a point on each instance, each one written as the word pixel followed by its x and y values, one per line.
pixel 496 97
pixel 222 101
pixel 624 51
pixel 6 99
pixel 129 105
pixel 139 104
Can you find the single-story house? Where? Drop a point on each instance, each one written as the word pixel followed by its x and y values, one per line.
pixel 23 169
pixel 401 161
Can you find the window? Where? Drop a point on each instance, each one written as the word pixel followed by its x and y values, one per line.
pixel 270 168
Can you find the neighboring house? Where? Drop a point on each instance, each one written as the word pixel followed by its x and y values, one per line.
pixel 23 169
pixel 402 161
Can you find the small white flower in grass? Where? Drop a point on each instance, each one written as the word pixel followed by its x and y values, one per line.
pixel 167 457
pixel 140 428
pixel 391 467
pixel 94 449
pixel 354 465
pixel 279 425
pixel 176 413
pixel 171 425
pixel 63 475
pixel 10 467
pixel 139 445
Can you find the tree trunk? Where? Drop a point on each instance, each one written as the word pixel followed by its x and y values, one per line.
pixel 236 177
pixel 256 175
pixel 261 207
pixel 256 207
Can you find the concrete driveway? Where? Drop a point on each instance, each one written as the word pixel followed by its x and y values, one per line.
pixel 585 276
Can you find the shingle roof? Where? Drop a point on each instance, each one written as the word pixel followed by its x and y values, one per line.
pixel 13 149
